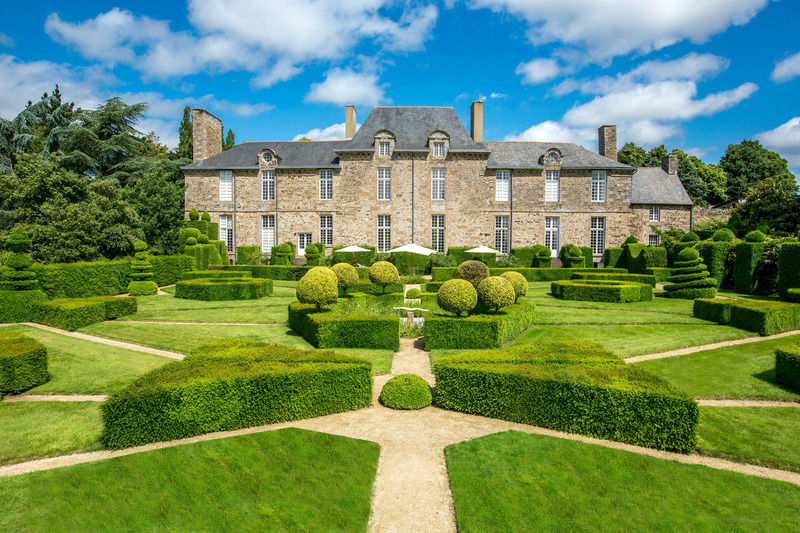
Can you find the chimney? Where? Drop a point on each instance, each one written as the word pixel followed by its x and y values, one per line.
pixel 349 121
pixel 476 121
pixel 206 134
pixel 607 141
pixel 670 164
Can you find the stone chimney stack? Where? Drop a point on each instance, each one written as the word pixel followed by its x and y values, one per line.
pixel 349 121
pixel 607 141
pixel 206 134
pixel 670 164
pixel 476 121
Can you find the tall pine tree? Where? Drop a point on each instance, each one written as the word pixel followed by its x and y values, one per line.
pixel 185 148
pixel 229 140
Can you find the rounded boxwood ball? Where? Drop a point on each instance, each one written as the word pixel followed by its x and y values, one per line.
pixel 472 271
pixel 572 250
pixel 203 238
pixel 457 296
pixel 319 286
pixel 139 246
pixel 517 281
pixel 206 217
pixel 191 241
pixel 346 274
pixel 688 254
pixel 406 391
pixel 19 261
pixel 413 293
pixel 755 236
pixel 723 235
pixel 193 214
pixel 383 273
pixel 690 237
pixel 496 291
pixel 18 241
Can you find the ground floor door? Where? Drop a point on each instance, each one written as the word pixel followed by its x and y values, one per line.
pixel 303 240
pixel 551 235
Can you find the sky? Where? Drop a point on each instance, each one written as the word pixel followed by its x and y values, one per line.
pixel 692 74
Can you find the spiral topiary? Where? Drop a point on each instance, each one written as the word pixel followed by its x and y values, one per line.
pixel 755 236
pixel 383 273
pixel 690 277
pixel 319 286
pixel 141 283
pixel 18 277
pixel 406 391
pixel 205 217
pixel 496 292
pixel 472 271
pixel 193 214
pixel 202 239
pixel 517 281
pixel 723 235
pixel 457 296
pixel 346 274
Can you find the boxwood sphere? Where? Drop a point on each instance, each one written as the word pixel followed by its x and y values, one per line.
pixel 690 237
pixel 496 291
pixel 472 271
pixel 193 214
pixel 139 246
pixel 383 273
pixel 688 254
pixel 406 391
pixel 723 235
pixel 319 286
pixel 572 250
pixel 517 281
pixel 191 241
pixel 206 217
pixel 457 296
pixel 755 236
pixel 203 238
pixel 346 274
pixel 413 293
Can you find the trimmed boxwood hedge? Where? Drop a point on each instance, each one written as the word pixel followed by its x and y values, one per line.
pixel 744 268
pixel 325 328
pixel 232 384
pixel 71 314
pixel 198 274
pixel 205 254
pixel 23 363
pixel 793 295
pixel 432 286
pixel 478 331
pixel 406 262
pixel 17 306
pixel 789 269
pixel 614 257
pixel 459 253
pixel 406 391
pixel 598 290
pixel 714 254
pixel 442 274
pixel 536 256
pixel 661 274
pixel 216 289
pixel 279 272
pixel 362 258
pixel 568 387
pixel 371 288
pixel 83 279
pixel 248 255
pixel 765 317
pixel 167 269
pixel 787 367
pixel 638 278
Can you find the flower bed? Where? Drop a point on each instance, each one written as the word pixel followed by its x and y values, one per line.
pixel 215 289
pixel 592 290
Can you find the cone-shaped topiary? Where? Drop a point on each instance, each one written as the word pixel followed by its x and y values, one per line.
pixel 519 283
pixel 496 292
pixel 205 217
pixel 723 235
pixel 383 273
pixel 193 214
pixel 319 286
pixel 473 271
pixel 690 278
pixel 19 277
pixel 457 296
pixel 631 240
pixel 406 391
pixel 347 275
pixel 141 283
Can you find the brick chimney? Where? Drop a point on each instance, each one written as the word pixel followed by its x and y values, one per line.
pixel 607 141
pixel 670 164
pixel 206 134
pixel 349 121
pixel 476 121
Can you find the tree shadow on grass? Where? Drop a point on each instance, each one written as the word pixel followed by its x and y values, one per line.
pixel 768 376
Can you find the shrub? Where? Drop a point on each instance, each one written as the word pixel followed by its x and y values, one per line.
pixel 346 275
pixel 787 367
pixel 525 255
pixel 184 234
pixel 788 268
pixel 319 286
pixel 473 272
pixel 614 257
pixel 496 292
pixel 748 254
pixel 369 288
pixel 383 273
pixel 194 214
pixel 200 274
pixel 764 317
pixel 755 236
pixel 635 258
pixel 282 254
pixel 460 254
pixel 572 257
pixel 315 254
pixel 690 237
pixel 508 261
pixel 218 289
pixel 690 278
pixel 413 294
pixel 406 391
pixel 457 296
pixel 442 260
pixel 543 257
pixel 408 263
pixel 205 217
pixel 638 278
pixel 478 331
pixel 723 235
pixel 412 280
pixel 596 290
pixel 18 306
pixel 588 256
pixel 202 239
pixel 233 384
pixel 83 279
pixel 142 288
pixel 327 328
pixel 142 283
pixel 71 314
pixel 18 277
pixel 655 257
pixel 222 251
pixel 191 241
pixel 205 255
pixel 248 255
pixel 23 363
pixel 432 286
pixel 660 274
pixel 167 269
pixel 531 274
pixel 631 240
pixel 793 295
pixel 714 254
pixel 518 282
pixel 361 258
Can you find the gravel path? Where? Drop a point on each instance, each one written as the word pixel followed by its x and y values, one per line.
pixel 746 403
pixel 187 323
pixel 56 398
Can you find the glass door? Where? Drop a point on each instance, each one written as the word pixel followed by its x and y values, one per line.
pixel 551 235
pixel 303 240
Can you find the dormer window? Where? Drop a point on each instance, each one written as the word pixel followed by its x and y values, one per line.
pixel 552 158
pixel 267 158
pixel 438 149
pixel 384 149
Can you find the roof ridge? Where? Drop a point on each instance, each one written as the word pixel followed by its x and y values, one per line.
pixel 298 141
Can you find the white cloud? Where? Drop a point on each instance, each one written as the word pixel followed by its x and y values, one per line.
pixel 5 40
pixel 343 86
pixel 497 95
pixel 785 139
pixel 538 70
pixel 787 69
pixel 643 132
pixel 334 132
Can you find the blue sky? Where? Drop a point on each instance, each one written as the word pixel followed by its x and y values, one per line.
pixel 691 74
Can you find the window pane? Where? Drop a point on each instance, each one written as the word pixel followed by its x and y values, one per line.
pixel 384 233
pixel 653 240
pixel 551 233
pixel 598 186
pixel 225 185
pixel 226 231
pixel 267 233
pixel 502 179
pixel 598 235
pixel 326 184
pixel 437 233
pixel 551 186
pixel 501 234
pixel 268 185
pixel 384 183
pixel 438 178
pixel 326 229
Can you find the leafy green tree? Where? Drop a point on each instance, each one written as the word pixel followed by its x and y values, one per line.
pixel 185 146
pixel 773 202
pixel 632 154
pixel 230 141
pixel 748 163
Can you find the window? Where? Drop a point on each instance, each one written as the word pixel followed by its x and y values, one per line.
pixel 552 158
pixel 326 184
pixel 384 148
pixel 551 234
pixel 655 213
pixel 598 186
pixel 437 233
pixel 551 186
pixel 598 235
pixel 384 233
pixel 501 183
pixel 438 149
pixel 326 230
pixel 652 240
pixel 267 157
pixel 501 234
pixel 268 185
pixel 437 183
pixel 267 233
pixel 384 184
pixel 225 185
pixel 226 231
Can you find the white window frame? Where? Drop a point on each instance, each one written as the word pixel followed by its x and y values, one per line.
pixel 226 231
pixel 267 158
pixel 502 185
pixel 501 234
pixel 655 213
pixel 552 186
pixel 438 183
pixel 384 241
pixel 225 185
pixel 384 183
pixel 438 149
pixel 267 233
pixel 437 233
pixel 267 185
pixel 599 180
pixel 652 240
pixel 552 235
pixel 326 184
pixel 326 230
pixel 597 235
pixel 384 148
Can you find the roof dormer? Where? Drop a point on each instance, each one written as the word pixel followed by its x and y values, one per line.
pixel 552 157
pixel 267 159
pixel 438 144
pixel 384 144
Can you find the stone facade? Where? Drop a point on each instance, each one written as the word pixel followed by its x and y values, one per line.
pixel 206 134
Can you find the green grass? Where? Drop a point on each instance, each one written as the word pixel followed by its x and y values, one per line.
pixel 765 436
pixel 517 482
pixel 742 371
pixel 83 367
pixel 31 430
pixel 539 294
pixel 381 359
pixel 288 480
pixel 272 309
pixel 546 315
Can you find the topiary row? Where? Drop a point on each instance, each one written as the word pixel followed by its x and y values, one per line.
pixel 474 286
pixel 598 290
pixel 690 279
pixel 223 288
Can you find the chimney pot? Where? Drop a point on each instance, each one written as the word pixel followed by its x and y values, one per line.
pixel 349 121
pixel 670 164
pixel 206 134
pixel 607 141
pixel 476 121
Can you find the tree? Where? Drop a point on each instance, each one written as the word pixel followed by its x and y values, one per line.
pixel 748 163
pixel 772 201
pixel 230 141
pixel 185 146
pixel 632 154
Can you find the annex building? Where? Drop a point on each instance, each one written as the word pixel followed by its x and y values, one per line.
pixel 414 174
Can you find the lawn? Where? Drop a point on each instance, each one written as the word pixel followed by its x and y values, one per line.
pixel 518 482
pixel 288 480
pixel 539 293
pixel 41 429
pixel 742 371
pixel 550 315
pixel 271 310
pixel 766 436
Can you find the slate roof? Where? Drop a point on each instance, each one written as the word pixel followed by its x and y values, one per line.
pixel 651 185
pixel 519 155
pixel 291 154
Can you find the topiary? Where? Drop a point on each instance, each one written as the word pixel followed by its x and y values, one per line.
pixel 755 236
pixel 318 286
pixel 18 277
pixel 202 239
pixel 631 240
pixel 191 241
pixel 688 254
pixel 472 271
pixel 141 283
pixel 413 293
pixel 690 237
pixel 517 281
pixel 723 235
pixel 383 273
pixel 690 279
pixel 457 296
pixel 346 274
pixel 193 214
pixel 509 261
pixel 496 292
pixel 206 217
pixel 406 391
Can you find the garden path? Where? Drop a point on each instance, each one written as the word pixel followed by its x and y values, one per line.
pixel 56 398
pixel 746 403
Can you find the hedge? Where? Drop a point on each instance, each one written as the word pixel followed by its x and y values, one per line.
pixel 406 391
pixel 17 306
pixel 787 367
pixel 362 258
pixel 371 288
pixel 222 250
pixel 315 254
pixel 598 290
pixel 588 256
pixel 572 257
pixel 765 317
pixel 248 255
pixel 199 274
pixel 328 329
pixel 23 363
pixel 614 257
pixel 714 254
pixel 83 279
pixel 661 274
pixel 531 274
pixel 577 389
pixel 536 256
pixel 635 258
pixel 279 272
pixel 793 295
pixel 205 255
pixel 408 263
pixel 71 314
pixel 167 269
pixel 788 269
pixel 478 331
pixel 232 384
pixel 459 253
pixel 747 257
pixel 638 278
pixel 217 289
pixel 432 286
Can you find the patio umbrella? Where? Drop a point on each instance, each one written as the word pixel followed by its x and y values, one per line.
pixel 353 250
pixel 414 249
pixel 483 250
